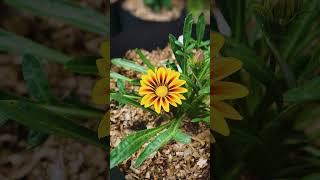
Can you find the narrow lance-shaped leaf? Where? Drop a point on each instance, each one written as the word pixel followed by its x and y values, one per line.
pixel 187 30
pixel 163 138
pixel 144 59
pixel 131 144
pixel 181 137
pixel 66 11
pixel 125 100
pixel 36 79
pixel 308 92
pixel 42 120
pixel 15 44
pixel 200 29
pixel 83 65
pixel 128 65
pixel 38 87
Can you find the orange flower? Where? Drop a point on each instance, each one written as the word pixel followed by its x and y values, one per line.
pixel 100 92
pixel 161 88
pixel 222 90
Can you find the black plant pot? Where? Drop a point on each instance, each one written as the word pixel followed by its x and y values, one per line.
pixel 115 18
pixel 129 21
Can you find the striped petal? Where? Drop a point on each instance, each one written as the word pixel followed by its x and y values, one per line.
pixel 100 92
pixel 218 123
pixel 161 75
pixel 228 90
pixel 165 104
pixel 171 100
pixel 105 49
pixel 147 100
pixel 176 83
pixel 145 90
pixel 217 42
pixel 178 90
pixel 104 126
pixel 157 105
pixel 176 98
pixel 223 67
pixel 226 110
pixel 102 65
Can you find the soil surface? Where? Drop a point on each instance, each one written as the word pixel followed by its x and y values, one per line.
pixel 172 161
pixel 138 9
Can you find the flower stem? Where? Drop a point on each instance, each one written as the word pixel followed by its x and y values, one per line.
pixel 288 74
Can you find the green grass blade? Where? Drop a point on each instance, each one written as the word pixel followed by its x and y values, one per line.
pixel 115 75
pixel 308 92
pixel 36 79
pixel 42 120
pixel 83 65
pixel 128 65
pixel 125 100
pixel 131 144
pixel 15 44
pixel 65 11
pixel 163 138
pixel 145 60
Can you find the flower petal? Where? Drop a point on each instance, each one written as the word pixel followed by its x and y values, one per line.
pixel 178 90
pixel 105 49
pixel 176 83
pixel 161 75
pixel 226 110
pixel 145 90
pixel 228 90
pixel 218 123
pixel 147 100
pixel 100 92
pixel 217 42
pixel 223 67
pixel 165 103
pixel 103 65
pixel 104 126
pixel 171 100
pixel 157 105
pixel 176 98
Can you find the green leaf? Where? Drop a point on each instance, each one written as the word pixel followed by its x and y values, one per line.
pixel 42 120
pixel 163 138
pixel 83 65
pixel 175 48
pixel 145 60
pixel 121 86
pixel 187 30
pixel 182 137
pixel 300 28
pixel 19 45
pixel 308 92
pixel 35 139
pixel 200 28
pixel 314 176
pixel 131 144
pixel 205 119
pixel 3 119
pixel 128 65
pixel 125 100
pixel 70 13
pixel 36 79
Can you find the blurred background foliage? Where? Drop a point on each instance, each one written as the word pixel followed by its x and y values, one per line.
pixel 278 43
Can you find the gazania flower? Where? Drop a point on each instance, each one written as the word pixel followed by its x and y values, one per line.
pixel 161 88
pixel 100 91
pixel 222 90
